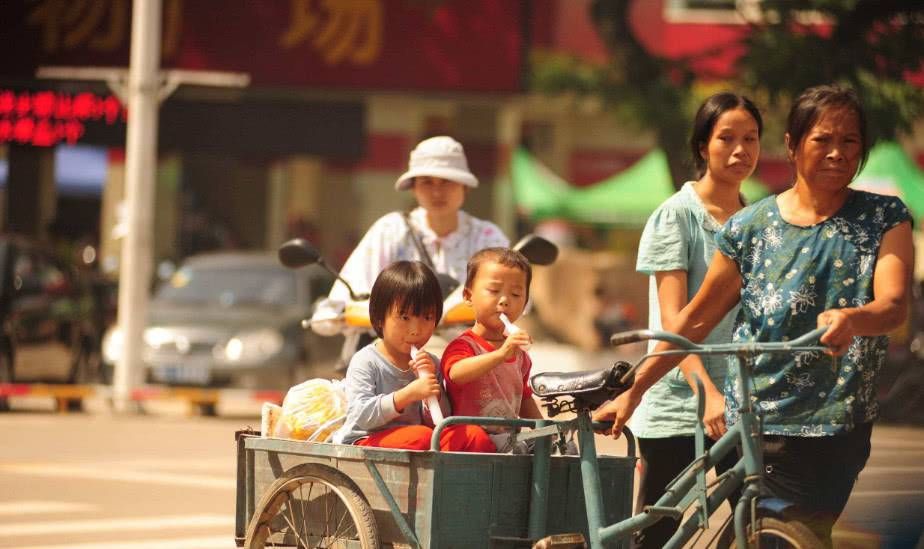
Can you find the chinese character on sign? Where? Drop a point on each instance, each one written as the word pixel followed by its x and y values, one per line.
pixel 97 25
pixel 100 25
pixel 339 30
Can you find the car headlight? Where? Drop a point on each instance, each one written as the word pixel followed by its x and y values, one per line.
pixel 249 347
pixel 112 345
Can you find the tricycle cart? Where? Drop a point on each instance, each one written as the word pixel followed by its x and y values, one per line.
pixel 310 494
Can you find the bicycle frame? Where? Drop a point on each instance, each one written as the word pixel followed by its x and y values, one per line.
pixel 690 486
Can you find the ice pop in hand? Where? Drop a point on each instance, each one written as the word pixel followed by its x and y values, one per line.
pixel 432 402
pixel 510 328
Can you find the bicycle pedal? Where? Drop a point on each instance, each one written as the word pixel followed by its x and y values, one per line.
pixel 562 541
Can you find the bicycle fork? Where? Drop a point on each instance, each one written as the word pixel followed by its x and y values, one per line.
pixel 752 454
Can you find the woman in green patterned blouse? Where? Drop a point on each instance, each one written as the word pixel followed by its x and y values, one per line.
pixel 818 254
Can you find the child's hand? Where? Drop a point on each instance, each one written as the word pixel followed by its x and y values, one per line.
pixel 423 362
pixel 424 386
pixel 517 340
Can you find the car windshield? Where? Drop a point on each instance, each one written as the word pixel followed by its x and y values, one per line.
pixel 230 286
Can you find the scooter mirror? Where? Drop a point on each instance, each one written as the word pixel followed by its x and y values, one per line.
pixel 298 252
pixel 537 250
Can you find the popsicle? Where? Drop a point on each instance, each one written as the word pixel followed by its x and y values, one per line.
pixel 510 328
pixel 432 402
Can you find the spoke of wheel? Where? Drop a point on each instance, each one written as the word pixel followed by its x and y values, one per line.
pixel 291 523
pixel 269 536
pixel 328 512
pixel 304 510
pixel 338 532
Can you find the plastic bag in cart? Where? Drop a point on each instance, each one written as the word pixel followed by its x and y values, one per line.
pixel 310 410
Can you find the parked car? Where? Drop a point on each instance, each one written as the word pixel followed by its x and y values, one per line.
pixel 233 319
pixel 51 321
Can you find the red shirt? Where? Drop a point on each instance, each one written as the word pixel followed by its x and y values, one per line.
pixel 498 393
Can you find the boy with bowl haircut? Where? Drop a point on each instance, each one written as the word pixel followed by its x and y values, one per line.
pixel 487 371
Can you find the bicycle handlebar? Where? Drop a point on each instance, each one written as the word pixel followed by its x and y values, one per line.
pixel 634 336
pixel 685 344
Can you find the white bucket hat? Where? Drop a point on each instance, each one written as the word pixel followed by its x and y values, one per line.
pixel 439 156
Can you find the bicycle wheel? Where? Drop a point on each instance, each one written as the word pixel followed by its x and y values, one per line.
pixel 313 506
pixel 772 533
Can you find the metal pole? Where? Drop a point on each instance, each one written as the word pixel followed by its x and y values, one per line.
pixel 140 165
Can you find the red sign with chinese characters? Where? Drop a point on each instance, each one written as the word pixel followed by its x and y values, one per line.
pixel 47 118
pixel 457 45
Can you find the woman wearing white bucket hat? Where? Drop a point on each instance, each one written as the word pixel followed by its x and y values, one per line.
pixel 446 236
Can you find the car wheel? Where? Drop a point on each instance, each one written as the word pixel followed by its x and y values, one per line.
pixel 206 409
pixel 106 372
pixel 6 376
pixel 80 363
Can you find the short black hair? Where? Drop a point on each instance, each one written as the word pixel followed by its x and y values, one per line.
pixel 409 286
pixel 507 257
pixel 809 106
pixel 708 114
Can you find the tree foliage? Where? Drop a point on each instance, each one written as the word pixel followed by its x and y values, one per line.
pixel 871 45
pixel 650 92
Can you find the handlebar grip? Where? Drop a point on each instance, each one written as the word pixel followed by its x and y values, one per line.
pixel 621 338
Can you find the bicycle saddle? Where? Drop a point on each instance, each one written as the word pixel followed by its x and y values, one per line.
pixel 593 388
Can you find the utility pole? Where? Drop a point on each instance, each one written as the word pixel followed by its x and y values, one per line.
pixel 136 261
pixel 147 86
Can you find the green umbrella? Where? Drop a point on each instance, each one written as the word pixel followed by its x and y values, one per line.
pixel 890 171
pixel 625 199
pixel 538 192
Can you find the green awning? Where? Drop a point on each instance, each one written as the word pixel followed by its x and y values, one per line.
pixel 890 171
pixel 625 199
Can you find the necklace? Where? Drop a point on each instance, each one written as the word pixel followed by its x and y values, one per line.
pixel 405 370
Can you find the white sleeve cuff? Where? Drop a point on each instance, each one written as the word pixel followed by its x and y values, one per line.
pixel 387 404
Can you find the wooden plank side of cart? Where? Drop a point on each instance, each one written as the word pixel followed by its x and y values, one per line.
pixel 449 499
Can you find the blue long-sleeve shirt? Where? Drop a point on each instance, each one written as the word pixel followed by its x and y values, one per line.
pixel 370 384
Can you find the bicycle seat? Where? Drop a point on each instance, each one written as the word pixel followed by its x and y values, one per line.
pixel 594 388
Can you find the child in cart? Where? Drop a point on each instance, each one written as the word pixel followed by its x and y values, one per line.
pixel 487 367
pixel 385 385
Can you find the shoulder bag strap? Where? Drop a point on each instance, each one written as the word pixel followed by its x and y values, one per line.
pixel 425 257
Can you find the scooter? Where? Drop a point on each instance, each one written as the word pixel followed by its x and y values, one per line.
pixel 457 314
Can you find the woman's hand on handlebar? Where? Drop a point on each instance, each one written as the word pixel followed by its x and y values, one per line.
pixel 618 410
pixel 840 330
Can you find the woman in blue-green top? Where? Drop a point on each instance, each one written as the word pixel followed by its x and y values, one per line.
pixel 818 254
pixel 675 249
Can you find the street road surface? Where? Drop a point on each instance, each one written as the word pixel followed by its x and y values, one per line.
pixel 165 480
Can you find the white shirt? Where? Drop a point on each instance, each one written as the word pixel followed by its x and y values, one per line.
pixel 388 240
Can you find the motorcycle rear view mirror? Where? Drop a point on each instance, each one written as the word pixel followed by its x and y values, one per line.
pixel 538 250
pixel 298 252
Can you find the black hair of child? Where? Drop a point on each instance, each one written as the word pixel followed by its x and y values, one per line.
pixel 409 286
pixel 508 257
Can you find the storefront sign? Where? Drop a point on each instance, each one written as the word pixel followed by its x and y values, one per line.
pixel 47 118
pixel 41 115
pixel 457 45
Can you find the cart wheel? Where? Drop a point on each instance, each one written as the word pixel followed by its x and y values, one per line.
pixel 313 506
pixel 773 533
